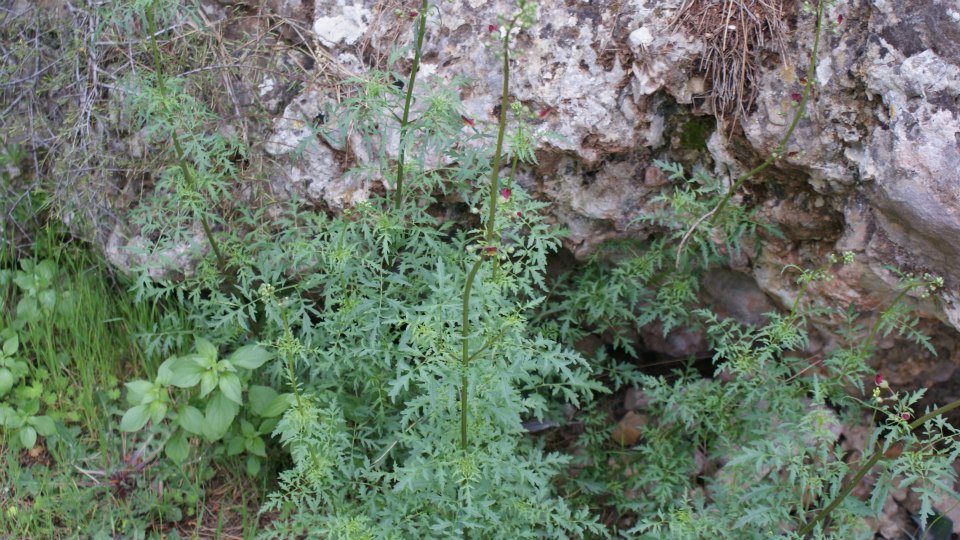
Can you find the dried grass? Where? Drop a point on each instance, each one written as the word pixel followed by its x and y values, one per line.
pixel 736 35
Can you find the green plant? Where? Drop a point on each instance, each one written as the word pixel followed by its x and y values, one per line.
pixel 395 354
pixel 401 401
pixel 220 384
pixel 23 421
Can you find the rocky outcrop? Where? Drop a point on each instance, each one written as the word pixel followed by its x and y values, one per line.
pixel 872 168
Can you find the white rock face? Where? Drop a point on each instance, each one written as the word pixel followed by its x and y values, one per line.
pixel 872 168
pixel 343 28
pixel 310 169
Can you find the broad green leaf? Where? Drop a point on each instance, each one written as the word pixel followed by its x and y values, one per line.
pixel 44 425
pixel 11 345
pixel 276 406
pixel 137 390
pixel 220 413
pixel 28 436
pixel 256 446
pixel 230 386
pixel 253 465
pixel 177 448
pixel 28 310
pixel 158 411
pixel 6 416
pixel 206 349
pixel 235 447
pixel 48 299
pixel 6 381
pixel 191 420
pixel 182 372
pixel 135 418
pixel 268 425
pixel 46 271
pixel 208 381
pixel 202 361
pixel 249 356
pixel 259 397
pixel 30 405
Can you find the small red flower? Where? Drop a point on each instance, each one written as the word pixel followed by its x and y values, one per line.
pixel 491 28
pixel 796 96
pixel 803 81
pixel 840 18
pixel 544 112
pixel 467 121
pixel 413 14
pixel 519 214
pixel 905 416
pixel 490 250
pixel 505 193
pixel 878 380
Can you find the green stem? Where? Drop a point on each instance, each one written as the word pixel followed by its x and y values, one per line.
pixel 714 214
pixel 291 373
pixel 504 102
pixel 866 467
pixel 491 220
pixel 181 157
pixel 465 351
pixel 405 121
pixel 811 76
pixel 513 170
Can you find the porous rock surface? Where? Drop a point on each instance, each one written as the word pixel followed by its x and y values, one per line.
pixel 873 168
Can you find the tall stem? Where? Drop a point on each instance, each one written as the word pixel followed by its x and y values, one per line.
pixel 405 121
pixel 714 214
pixel 488 236
pixel 801 108
pixel 866 467
pixel 181 157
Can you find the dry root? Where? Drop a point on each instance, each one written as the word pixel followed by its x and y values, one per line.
pixel 736 35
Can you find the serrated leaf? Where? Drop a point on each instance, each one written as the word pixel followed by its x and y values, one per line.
pixel 46 270
pixel 249 357
pixel 158 411
pixel 137 390
pixel 7 381
pixel 28 310
pixel 48 299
